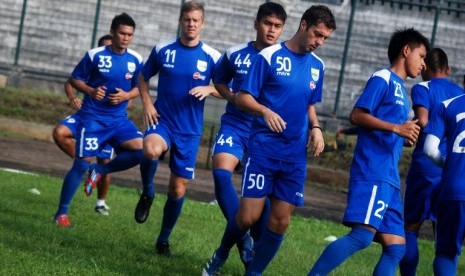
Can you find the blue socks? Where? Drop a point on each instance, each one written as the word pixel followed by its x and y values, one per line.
pixel 341 249
pixel 387 264
pixel 269 244
pixel 171 212
pixel 148 168
pixel 71 184
pixel 445 265
pixel 225 193
pixel 123 161
pixel 408 264
pixel 232 234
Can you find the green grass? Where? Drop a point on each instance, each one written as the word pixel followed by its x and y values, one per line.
pixel 30 243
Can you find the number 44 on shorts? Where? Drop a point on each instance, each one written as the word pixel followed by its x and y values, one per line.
pixel 222 141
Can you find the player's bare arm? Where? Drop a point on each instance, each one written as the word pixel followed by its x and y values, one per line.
pixel 201 92
pixel 315 138
pixel 122 96
pixel 421 114
pixel 150 114
pixel 409 129
pixel 74 101
pixel 96 93
pixel 247 102
pixel 225 92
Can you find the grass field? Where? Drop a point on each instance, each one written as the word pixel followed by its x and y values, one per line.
pixel 31 244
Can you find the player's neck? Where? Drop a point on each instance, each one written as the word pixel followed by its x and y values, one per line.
pixel 189 42
pixel 117 50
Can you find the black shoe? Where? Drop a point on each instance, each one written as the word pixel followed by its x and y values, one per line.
pixel 143 208
pixel 163 248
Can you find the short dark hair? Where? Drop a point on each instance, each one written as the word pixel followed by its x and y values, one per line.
pixel 191 6
pixel 317 14
pixel 402 37
pixel 122 19
pixel 270 9
pixel 103 38
pixel 436 59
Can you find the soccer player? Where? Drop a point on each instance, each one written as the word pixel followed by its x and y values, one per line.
pixel 108 76
pixel 374 207
pixel 185 67
pixel 424 176
pixel 65 131
pixel 448 123
pixel 284 83
pixel 231 139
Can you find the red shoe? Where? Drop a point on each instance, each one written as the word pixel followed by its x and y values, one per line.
pixel 92 179
pixel 62 220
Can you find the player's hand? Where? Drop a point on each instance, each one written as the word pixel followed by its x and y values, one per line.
pixel 75 103
pixel 201 92
pixel 409 130
pixel 273 121
pixel 98 93
pixel 150 115
pixel 118 97
pixel 316 141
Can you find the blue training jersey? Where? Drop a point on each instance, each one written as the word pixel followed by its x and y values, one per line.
pixel 180 69
pixel 429 95
pixel 377 153
pixel 234 66
pixel 102 67
pixel 449 122
pixel 287 83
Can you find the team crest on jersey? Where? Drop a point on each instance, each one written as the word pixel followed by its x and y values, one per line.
pixel 201 65
pixel 315 74
pixel 128 76
pixel 70 120
pixel 131 67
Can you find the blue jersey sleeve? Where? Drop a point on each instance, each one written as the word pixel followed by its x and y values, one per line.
pixel 420 96
pixel 254 81
pixel 372 94
pixel 83 70
pixel 152 65
pixel 224 71
pixel 317 81
pixel 436 124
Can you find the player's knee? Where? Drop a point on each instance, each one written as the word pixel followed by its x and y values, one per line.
pixel 361 237
pixel 152 153
pixel 278 225
pixel 59 133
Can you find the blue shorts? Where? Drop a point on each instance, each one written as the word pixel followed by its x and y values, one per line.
pixel 183 149
pixel 264 176
pixel 450 227
pixel 93 136
pixel 420 197
pixel 375 203
pixel 72 123
pixel 232 141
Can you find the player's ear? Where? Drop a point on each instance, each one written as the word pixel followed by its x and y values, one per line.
pixel 255 25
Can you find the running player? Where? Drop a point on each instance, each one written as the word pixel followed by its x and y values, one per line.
pixel 424 176
pixel 231 140
pixel 185 67
pixel 108 76
pixel 65 132
pixel 374 207
pixel 284 83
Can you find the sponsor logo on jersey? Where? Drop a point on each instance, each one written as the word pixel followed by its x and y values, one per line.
pixel 128 76
pixel 315 74
pixel 131 67
pixel 197 76
pixel 312 85
pixel 201 65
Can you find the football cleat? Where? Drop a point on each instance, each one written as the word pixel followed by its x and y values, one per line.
pixel 213 266
pixel 101 209
pixel 246 252
pixel 163 248
pixel 92 179
pixel 143 208
pixel 62 220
